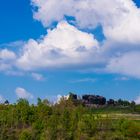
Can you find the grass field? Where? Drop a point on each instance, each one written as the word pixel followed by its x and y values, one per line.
pixel 120 116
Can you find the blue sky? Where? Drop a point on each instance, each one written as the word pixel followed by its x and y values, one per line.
pixel 81 49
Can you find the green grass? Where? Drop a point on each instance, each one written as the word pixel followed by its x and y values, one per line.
pixel 113 109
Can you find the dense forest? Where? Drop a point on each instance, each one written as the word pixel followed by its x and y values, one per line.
pixel 89 118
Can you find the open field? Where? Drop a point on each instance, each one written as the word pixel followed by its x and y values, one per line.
pixel 129 116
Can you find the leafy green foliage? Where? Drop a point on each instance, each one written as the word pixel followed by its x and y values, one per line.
pixel 66 120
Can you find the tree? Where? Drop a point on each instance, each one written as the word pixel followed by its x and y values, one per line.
pixel 6 102
pixel 72 96
pixel 110 102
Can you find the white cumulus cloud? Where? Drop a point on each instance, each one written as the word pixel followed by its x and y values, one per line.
pixel 62 46
pixel 120 19
pixel 70 46
pixel 7 58
pixel 127 64
pixel 23 93
pixel 7 55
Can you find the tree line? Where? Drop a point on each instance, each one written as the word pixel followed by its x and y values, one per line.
pixel 89 100
pixel 67 119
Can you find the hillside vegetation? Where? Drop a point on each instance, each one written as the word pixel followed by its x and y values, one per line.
pixel 68 120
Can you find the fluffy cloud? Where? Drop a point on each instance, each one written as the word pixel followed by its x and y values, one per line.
pixel 68 45
pixel 22 93
pixel 127 64
pixel 120 19
pixel 13 44
pixel 7 55
pixel 7 58
pixel 62 46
